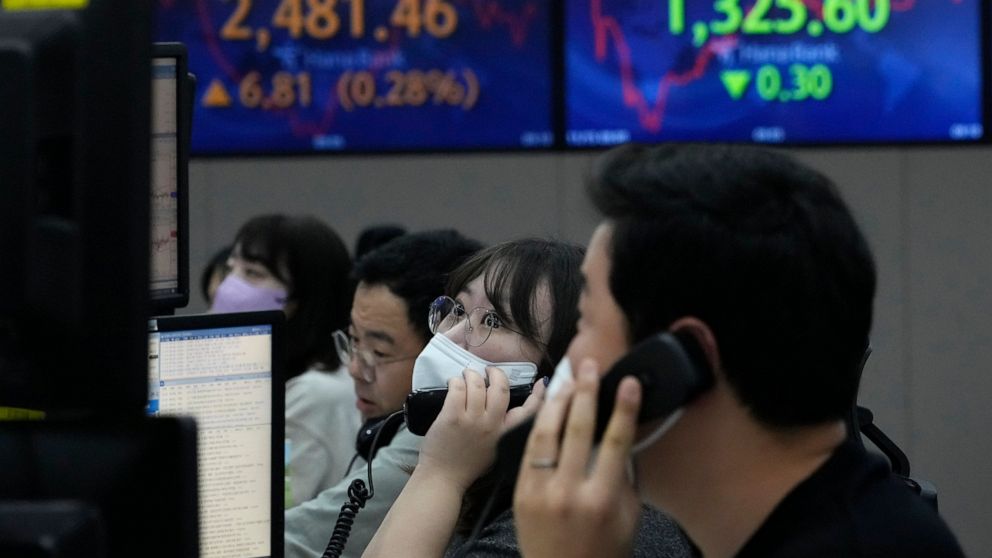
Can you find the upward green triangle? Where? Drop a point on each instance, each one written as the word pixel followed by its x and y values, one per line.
pixel 736 82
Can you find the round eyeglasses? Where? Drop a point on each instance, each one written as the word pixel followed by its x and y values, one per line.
pixel 368 361
pixel 445 313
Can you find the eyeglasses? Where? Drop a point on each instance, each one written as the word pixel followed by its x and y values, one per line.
pixel 368 361
pixel 445 313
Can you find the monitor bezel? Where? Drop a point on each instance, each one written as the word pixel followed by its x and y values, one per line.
pixel 166 302
pixel 83 238
pixel 147 486
pixel 276 319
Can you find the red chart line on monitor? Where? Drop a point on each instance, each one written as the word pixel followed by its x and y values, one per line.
pixel 652 115
pixel 210 38
pixel 490 14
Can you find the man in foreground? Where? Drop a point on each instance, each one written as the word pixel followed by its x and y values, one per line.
pixel 756 258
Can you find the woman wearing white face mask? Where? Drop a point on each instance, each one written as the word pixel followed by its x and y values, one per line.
pixel 299 265
pixel 512 304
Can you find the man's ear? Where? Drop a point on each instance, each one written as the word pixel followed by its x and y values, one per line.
pixel 704 336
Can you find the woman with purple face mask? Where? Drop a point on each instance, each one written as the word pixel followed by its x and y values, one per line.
pixel 299 265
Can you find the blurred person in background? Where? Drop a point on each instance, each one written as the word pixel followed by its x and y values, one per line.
pixel 299 265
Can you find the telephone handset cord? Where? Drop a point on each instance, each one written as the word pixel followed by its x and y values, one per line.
pixel 358 496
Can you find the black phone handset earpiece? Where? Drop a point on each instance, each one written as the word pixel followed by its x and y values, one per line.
pixel 358 494
pixel 423 407
pixel 672 370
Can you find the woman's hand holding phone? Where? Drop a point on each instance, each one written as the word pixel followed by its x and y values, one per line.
pixel 562 506
pixel 461 444
pixel 458 448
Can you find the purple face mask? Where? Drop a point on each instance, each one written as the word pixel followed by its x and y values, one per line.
pixel 237 295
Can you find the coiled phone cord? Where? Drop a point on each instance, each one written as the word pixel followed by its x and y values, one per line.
pixel 358 496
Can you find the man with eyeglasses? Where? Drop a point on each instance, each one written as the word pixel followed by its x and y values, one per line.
pixel 396 284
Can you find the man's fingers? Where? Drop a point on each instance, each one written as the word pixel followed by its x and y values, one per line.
pixel 541 456
pixel 614 451
pixel 581 421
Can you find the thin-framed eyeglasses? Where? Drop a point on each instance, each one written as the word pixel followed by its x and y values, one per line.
pixel 368 361
pixel 445 313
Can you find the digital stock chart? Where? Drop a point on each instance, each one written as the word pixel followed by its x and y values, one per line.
pixel 291 76
pixel 797 71
pixel 342 75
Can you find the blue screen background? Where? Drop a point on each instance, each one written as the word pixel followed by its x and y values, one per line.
pixel 918 79
pixel 505 44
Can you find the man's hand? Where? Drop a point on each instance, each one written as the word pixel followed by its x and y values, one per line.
pixel 564 507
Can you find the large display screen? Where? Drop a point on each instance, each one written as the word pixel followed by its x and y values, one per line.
pixel 291 76
pixel 779 71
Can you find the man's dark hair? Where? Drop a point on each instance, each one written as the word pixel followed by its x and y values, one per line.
pixel 312 261
pixel 514 272
pixel 415 267
pixel 758 246
pixel 375 236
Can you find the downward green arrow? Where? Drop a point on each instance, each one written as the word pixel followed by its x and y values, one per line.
pixel 736 82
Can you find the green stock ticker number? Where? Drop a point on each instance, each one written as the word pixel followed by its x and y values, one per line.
pixel 800 84
pixel 781 17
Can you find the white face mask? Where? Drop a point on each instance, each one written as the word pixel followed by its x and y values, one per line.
pixel 443 359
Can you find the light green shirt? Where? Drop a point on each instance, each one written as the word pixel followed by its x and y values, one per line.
pixel 310 524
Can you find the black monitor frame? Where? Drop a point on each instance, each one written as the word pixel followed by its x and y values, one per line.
pixel 276 319
pixel 164 302
pixel 74 174
pixel 51 529
pixel 130 485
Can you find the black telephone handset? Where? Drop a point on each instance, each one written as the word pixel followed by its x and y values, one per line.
pixel 422 407
pixel 671 369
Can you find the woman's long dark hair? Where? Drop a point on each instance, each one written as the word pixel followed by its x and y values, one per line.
pixel 515 274
pixel 312 261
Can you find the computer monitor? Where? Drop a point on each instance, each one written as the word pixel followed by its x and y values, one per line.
pixel 51 529
pixel 98 488
pixel 74 173
pixel 437 75
pixel 225 371
pixel 796 72
pixel 169 242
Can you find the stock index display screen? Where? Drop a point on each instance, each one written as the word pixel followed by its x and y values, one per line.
pixel 292 76
pixel 776 71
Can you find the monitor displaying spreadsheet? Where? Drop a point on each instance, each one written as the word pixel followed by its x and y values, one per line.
pixel 223 370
